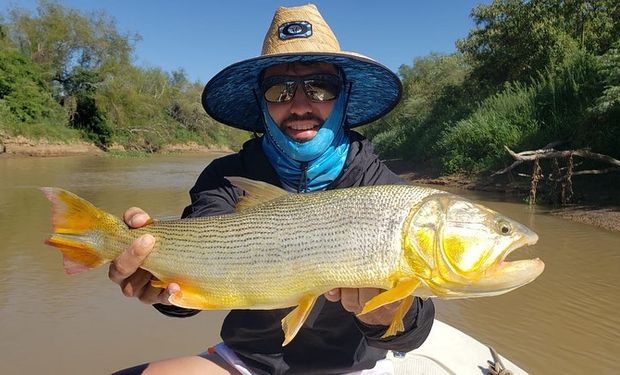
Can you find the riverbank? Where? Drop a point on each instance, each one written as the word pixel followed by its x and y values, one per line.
pixel 23 147
pixel 600 207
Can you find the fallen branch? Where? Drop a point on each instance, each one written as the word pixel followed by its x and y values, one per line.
pixel 597 171
pixel 559 179
pixel 550 153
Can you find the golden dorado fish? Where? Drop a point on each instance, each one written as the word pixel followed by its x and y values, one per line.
pixel 281 249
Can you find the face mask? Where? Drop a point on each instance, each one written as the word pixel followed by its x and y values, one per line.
pixel 311 165
pixel 331 130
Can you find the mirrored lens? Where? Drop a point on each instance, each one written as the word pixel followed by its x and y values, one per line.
pixel 318 88
pixel 321 90
pixel 280 92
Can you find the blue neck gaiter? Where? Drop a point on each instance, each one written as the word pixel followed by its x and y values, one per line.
pixel 311 165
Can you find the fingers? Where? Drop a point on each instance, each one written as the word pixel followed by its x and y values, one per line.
pixel 125 270
pixel 353 300
pixel 169 291
pixel 135 217
pixel 136 282
pixel 130 260
pixel 333 295
pixel 134 285
pixel 151 295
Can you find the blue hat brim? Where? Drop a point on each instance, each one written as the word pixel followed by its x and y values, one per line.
pixel 230 96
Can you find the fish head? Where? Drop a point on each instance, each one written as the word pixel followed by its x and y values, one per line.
pixel 458 249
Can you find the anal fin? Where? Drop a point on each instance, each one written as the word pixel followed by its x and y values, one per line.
pixel 397 324
pixel 291 324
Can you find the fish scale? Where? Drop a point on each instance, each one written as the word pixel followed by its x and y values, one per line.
pixel 318 242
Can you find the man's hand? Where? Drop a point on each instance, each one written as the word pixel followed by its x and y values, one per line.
pixel 353 300
pixel 125 269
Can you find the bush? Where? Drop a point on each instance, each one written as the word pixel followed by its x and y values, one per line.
pixel 24 93
pixel 552 108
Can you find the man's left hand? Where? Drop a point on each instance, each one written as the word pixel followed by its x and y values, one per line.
pixel 353 300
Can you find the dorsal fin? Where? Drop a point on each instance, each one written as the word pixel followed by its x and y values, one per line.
pixel 256 192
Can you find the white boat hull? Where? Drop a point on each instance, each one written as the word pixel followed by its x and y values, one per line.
pixel 449 351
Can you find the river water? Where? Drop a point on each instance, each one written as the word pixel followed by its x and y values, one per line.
pixel 565 322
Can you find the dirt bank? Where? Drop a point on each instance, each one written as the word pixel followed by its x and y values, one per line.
pixel 193 147
pixel 21 146
pixel 599 207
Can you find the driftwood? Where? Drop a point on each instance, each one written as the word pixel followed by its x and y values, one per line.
pixel 560 179
pixel 550 153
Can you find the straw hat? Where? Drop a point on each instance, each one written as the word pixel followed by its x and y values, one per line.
pixel 300 34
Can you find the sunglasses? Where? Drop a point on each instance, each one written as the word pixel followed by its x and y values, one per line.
pixel 317 87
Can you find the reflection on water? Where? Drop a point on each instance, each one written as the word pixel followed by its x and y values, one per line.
pixel 564 322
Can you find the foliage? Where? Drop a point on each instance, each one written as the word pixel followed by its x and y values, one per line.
pixel 609 102
pixel 529 73
pixel 24 94
pixel 514 40
pixel 431 92
pixel 61 39
pixel 73 69
pixel 80 100
pixel 551 108
pixel 474 143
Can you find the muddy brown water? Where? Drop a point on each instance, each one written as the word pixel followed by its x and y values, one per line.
pixel 567 321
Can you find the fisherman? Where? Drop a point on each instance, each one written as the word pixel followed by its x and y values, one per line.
pixel 304 95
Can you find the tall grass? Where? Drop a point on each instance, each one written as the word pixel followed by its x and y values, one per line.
pixel 553 107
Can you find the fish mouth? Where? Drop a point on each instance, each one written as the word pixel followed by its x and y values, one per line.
pixel 501 278
pixel 509 275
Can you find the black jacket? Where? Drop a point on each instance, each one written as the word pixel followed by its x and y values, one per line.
pixel 332 340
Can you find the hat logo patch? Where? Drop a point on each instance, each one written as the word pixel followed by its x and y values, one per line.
pixel 295 29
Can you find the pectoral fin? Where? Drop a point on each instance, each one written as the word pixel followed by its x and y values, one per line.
pixel 397 324
pixel 402 289
pixel 296 318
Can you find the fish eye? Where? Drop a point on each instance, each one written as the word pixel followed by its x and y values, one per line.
pixel 503 227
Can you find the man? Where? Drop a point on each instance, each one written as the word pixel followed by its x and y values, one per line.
pixel 305 95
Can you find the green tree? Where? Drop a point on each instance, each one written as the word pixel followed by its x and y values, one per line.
pixel 71 50
pixel 24 93
pixel 433 92
pixel 60 39
pixel 80 99
pixel 554 107
pixel 3 36
pixel 608 104
pixel 514 39
pixel 84 63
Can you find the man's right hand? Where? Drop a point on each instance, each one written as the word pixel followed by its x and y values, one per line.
pixel 125 269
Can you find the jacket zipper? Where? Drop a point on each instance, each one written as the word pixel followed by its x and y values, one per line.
pixel 302 187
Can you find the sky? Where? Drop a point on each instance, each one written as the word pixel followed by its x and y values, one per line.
pixel 203 37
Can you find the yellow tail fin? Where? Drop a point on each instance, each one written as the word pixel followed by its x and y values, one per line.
pixel 78 228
